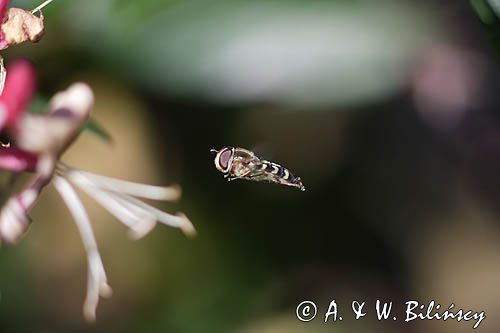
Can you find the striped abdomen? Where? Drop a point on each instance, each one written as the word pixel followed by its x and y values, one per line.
pixel 281 175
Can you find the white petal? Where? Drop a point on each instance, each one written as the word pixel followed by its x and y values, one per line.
pixel 13 217
pixel 177 221
pixel 163 193
pixel 13 221
pixel 139 220
pixel 97 281
pixel 92 187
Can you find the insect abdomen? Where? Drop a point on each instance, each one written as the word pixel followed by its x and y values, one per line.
pixel 282 173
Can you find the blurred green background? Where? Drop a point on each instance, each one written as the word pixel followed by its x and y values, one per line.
pixel 388 110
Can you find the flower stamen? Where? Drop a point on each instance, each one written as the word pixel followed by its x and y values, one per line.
pixel 41 6
pixel 97 281
pixel 116 197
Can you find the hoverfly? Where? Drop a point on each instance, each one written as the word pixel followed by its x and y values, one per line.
pixel 239 163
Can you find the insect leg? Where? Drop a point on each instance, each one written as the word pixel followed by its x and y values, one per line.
pixel 245 175
pixel 259 177
pixel 229 177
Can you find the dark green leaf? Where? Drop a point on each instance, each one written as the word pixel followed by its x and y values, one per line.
pixel 95 128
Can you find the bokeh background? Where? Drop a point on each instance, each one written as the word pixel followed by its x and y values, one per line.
pixel 388 110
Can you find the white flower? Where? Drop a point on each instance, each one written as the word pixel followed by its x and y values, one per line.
pixel 37 142
pixel 117 197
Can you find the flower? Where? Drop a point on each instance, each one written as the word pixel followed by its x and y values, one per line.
pixel 17 93
pixel 37 142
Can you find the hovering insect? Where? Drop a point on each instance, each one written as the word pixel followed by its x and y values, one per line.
pixel 239 163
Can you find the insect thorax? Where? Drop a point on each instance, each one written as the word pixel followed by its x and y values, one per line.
pixel 241 167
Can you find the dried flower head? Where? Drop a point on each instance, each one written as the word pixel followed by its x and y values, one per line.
pixel 20 25
pixel 17 26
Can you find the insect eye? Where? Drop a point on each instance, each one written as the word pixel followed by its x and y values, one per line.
pixel 224 158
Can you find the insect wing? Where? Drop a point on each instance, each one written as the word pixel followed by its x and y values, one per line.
pixel 259 171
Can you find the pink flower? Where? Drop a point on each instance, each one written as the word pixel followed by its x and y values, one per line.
pixel 18 91
pixel 37 142
pixel 17 160
pixel 4 4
